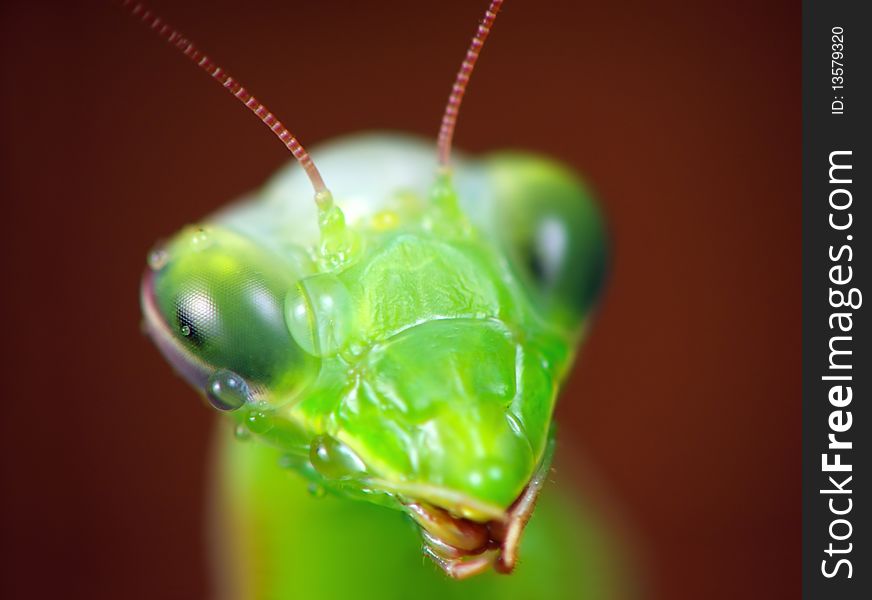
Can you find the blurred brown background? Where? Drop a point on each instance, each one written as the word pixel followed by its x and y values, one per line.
pixel 684 115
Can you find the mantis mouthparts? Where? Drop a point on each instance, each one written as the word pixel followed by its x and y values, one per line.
pixel 462 547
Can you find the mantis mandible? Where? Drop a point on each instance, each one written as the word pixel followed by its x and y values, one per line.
pixel 397 338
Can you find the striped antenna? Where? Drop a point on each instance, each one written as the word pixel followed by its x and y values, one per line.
pixel 187 48
pixel 449 118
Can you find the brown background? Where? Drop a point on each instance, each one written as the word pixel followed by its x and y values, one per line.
pixel 684 115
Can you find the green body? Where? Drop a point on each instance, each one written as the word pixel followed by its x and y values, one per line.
pixel 412 350
pixel 275 540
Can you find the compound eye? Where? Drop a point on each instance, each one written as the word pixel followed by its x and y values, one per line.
pixel 221 298
pixel 552 232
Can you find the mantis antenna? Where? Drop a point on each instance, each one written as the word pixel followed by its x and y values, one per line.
pixel 174 38
pixel 449 118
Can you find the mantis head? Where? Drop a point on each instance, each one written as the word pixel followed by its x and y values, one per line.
pixel 400 359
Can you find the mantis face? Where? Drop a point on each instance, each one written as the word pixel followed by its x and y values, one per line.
pixel 401 341
pixel 419 369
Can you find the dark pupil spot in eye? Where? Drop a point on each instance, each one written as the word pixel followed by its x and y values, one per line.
pixel 536 265
pixel 546 252
pixel 187 327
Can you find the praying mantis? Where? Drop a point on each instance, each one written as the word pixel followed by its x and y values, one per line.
pixel 397 340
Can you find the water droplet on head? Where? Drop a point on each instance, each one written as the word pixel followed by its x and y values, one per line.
pixel 241 433
pixel 319 313
pixel 226 390
pixel 185 330
pixel 200 237
pixel 333 459
pixel 197 239
pixel 157 259
pixel 259 421
pixel 385 220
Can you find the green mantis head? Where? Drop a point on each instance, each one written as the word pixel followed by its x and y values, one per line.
pixel 409 354
pixel 421 370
